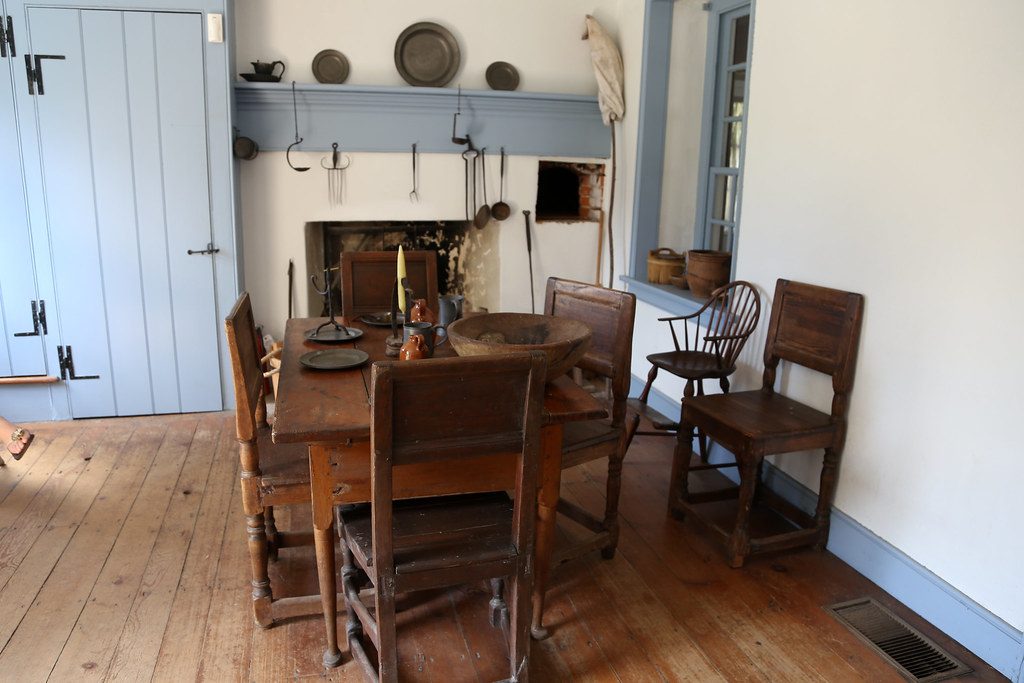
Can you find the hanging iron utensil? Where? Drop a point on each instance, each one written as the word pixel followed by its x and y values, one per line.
pixel 336 175
pixel 483 214
pixel 469 160
pixel 288 152
pixel 414 195
pixel 529 257
pixel 501 210
pixel 455 118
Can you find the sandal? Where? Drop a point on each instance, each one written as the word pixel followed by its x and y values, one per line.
pixel 16 436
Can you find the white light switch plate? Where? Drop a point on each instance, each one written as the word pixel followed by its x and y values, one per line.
pixel 215 28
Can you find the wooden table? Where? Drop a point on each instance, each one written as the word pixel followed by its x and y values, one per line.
pixel 330 412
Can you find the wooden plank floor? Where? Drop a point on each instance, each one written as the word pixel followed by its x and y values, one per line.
pixel 123 557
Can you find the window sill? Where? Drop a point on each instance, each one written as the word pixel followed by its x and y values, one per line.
pixel 671 299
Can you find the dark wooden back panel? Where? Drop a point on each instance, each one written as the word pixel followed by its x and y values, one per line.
pixel 610 314
pixel 816 327
pixel 240 329
pixel 447 408
pixel 435 410
pixel 367 279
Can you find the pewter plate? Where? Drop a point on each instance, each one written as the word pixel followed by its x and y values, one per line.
pixel 502 76
pixel 329 335
pixel 330 66
pixel 381 319
pixel 427 54
pixel 334 359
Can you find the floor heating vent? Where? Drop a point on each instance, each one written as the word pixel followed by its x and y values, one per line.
pixel 916 657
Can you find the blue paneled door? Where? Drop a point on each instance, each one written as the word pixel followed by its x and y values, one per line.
pixel 21 332
pixel 123 146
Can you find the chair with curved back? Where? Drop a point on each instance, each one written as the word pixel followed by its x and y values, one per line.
pixel 713 337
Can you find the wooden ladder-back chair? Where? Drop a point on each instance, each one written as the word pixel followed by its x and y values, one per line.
pixel 817 328
pixel 713 337
pixel 368 278
pixel 432 411
pixel 610 314
pixel 272 474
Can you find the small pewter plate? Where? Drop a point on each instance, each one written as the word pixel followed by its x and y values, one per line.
pixel 330 66
pixel 502 76
pixel 381 319
pixel 329 335
pixel 427 54
pixel 334 359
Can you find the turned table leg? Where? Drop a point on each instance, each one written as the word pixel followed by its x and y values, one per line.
pixel 323 539
pixel 547 505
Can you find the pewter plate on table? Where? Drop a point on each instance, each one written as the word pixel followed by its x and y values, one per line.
pixel 334 359
pixel 380 319
pixel 329 335
pixel 427 54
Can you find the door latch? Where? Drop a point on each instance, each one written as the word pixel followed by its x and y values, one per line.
pixel 209 250
pixel 38 320
pixel 35 76
pixel 7 37
pixel 67 365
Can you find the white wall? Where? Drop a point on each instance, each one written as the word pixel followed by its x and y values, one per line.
pixel 539 37
pixel 884 157
pixel 542 39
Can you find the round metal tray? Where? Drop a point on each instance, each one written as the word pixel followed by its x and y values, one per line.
pixel 427 54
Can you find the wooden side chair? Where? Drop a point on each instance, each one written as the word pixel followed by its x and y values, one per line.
pixel 817 328
pixel 433 411
pixel 367 279
pixel 610 314
pixel 272 474
pixel 713 337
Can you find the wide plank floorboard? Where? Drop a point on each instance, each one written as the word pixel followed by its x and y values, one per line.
pixel 123 556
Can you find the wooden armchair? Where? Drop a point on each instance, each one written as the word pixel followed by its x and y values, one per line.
pixel 272 474
pixel 812 326
pixel 433 411
pixel 368 278
pixel 610 314
pixel 713 337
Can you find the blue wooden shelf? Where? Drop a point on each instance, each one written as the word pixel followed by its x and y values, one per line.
pixel 364 118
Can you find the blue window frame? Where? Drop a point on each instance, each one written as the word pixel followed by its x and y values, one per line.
pixel 724 127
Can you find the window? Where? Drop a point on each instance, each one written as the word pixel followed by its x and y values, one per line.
pixel 722 157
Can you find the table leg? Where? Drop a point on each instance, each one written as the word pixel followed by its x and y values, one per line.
pixel 547 505
pixel 323 539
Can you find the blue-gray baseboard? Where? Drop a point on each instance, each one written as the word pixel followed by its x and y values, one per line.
pixel 954 613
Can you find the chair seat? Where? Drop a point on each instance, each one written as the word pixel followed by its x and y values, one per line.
pixel 437 533
pixel 690 364
pixel 771 420
pixel 589 440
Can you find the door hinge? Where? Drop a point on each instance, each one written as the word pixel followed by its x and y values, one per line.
pixel 35 75
pixel 7 36
pixel 38 320
pixel 67 365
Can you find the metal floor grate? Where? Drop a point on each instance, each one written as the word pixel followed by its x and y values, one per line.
pixel 915 656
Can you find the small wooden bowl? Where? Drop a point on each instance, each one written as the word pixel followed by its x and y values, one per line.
pixel 563 340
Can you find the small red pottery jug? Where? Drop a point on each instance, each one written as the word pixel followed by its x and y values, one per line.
pixel 414 349
pixel 420 313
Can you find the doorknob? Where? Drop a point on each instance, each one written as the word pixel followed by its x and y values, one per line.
pixel 209 250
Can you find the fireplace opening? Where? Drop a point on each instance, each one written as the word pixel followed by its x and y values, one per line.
pixel 325 241
pixel 569 192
